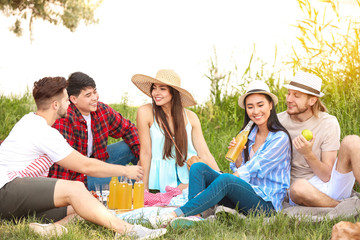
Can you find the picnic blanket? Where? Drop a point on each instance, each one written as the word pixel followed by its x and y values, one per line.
pixel 172 197
pixel 141 215
pixel 346 208
pixel 160 199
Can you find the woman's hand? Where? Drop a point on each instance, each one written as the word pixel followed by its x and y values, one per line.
pixel 232 143
pixel 182 186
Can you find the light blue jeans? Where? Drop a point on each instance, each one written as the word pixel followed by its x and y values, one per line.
pixel 208 188
pixel 119 153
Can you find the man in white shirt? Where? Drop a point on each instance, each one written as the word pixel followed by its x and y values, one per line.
pixel 26 156
pixel 318 177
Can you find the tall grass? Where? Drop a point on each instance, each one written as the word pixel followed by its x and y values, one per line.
pixel 330 49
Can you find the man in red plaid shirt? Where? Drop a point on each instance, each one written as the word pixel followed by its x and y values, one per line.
pixel 87 127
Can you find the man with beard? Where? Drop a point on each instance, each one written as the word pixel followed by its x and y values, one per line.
pixel 319 177
pixel 26 156
pixel 87 127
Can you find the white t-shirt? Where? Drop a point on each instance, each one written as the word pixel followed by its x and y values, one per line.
pixel 30 149
pixel 90 135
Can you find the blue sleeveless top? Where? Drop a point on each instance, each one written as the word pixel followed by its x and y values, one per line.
pixel 165 172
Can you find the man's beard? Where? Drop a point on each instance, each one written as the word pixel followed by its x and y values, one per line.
pixel 62 113
pixel 300 111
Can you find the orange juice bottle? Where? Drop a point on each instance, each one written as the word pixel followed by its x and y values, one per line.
pixel 138 194
pixel 129 194
pixel 113 185
pixel 241 140
pixel 122 191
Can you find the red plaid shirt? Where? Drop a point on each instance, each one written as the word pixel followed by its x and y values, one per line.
pixel 105 122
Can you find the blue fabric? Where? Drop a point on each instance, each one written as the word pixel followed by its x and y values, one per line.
pixel 268 171
pixel 209 187
pixel 120 154
pixel 180 199
pixel 165 172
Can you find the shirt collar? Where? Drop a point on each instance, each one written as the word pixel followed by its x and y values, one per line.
pixel 253 133
pixel 76 112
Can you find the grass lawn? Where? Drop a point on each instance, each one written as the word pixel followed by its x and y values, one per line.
pixel 223 227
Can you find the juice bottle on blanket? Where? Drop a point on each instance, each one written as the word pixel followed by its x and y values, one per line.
pixel 129 194
pixel 122 194
pixel 241 140
pixel 138 194
pixel 113 195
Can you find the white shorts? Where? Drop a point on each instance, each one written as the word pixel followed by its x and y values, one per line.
pixel 338 187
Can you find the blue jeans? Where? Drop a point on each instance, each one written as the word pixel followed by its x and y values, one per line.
pixel 119 153
pixel 208 188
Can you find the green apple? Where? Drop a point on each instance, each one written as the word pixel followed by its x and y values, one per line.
pixel 308 135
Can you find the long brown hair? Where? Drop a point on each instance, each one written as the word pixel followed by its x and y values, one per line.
pixel 177 112
pixel 318 107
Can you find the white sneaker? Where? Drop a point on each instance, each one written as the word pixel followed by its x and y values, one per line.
pixel 223 209
pixel 48 230
pixel 139 232
pixel 160 220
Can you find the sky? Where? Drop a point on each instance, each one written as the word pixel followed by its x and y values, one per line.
pixel 143 36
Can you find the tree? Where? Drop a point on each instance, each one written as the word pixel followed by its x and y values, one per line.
pixel 66 12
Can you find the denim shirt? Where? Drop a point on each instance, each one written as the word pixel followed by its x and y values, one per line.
pixel 268 171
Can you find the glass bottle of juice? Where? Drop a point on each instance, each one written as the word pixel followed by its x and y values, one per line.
pixel 138 194
pixel 122 193
pixel 113 185
pixel 129 194
pixel 241 140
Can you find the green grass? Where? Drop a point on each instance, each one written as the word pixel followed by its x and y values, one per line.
pixel 224 227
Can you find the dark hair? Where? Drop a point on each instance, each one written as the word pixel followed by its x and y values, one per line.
pixel 46 89
pixel 177 112
pixel 273 124
pixel 79 81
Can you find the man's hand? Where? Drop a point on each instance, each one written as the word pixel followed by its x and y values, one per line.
pixel 134 172
pixel 303 146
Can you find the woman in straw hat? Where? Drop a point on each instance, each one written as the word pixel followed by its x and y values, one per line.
pixel 169 133
pixel 261 173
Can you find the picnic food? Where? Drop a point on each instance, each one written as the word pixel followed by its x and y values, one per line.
pixel 94 194
pixel 308 135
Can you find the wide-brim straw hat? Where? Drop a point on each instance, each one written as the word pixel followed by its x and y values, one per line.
pixel 306 83
pixel 167 77
pixel 257 86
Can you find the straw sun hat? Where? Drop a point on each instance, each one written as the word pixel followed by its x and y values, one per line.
pixel 166 77
pixel 257 86
pixel 307 83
